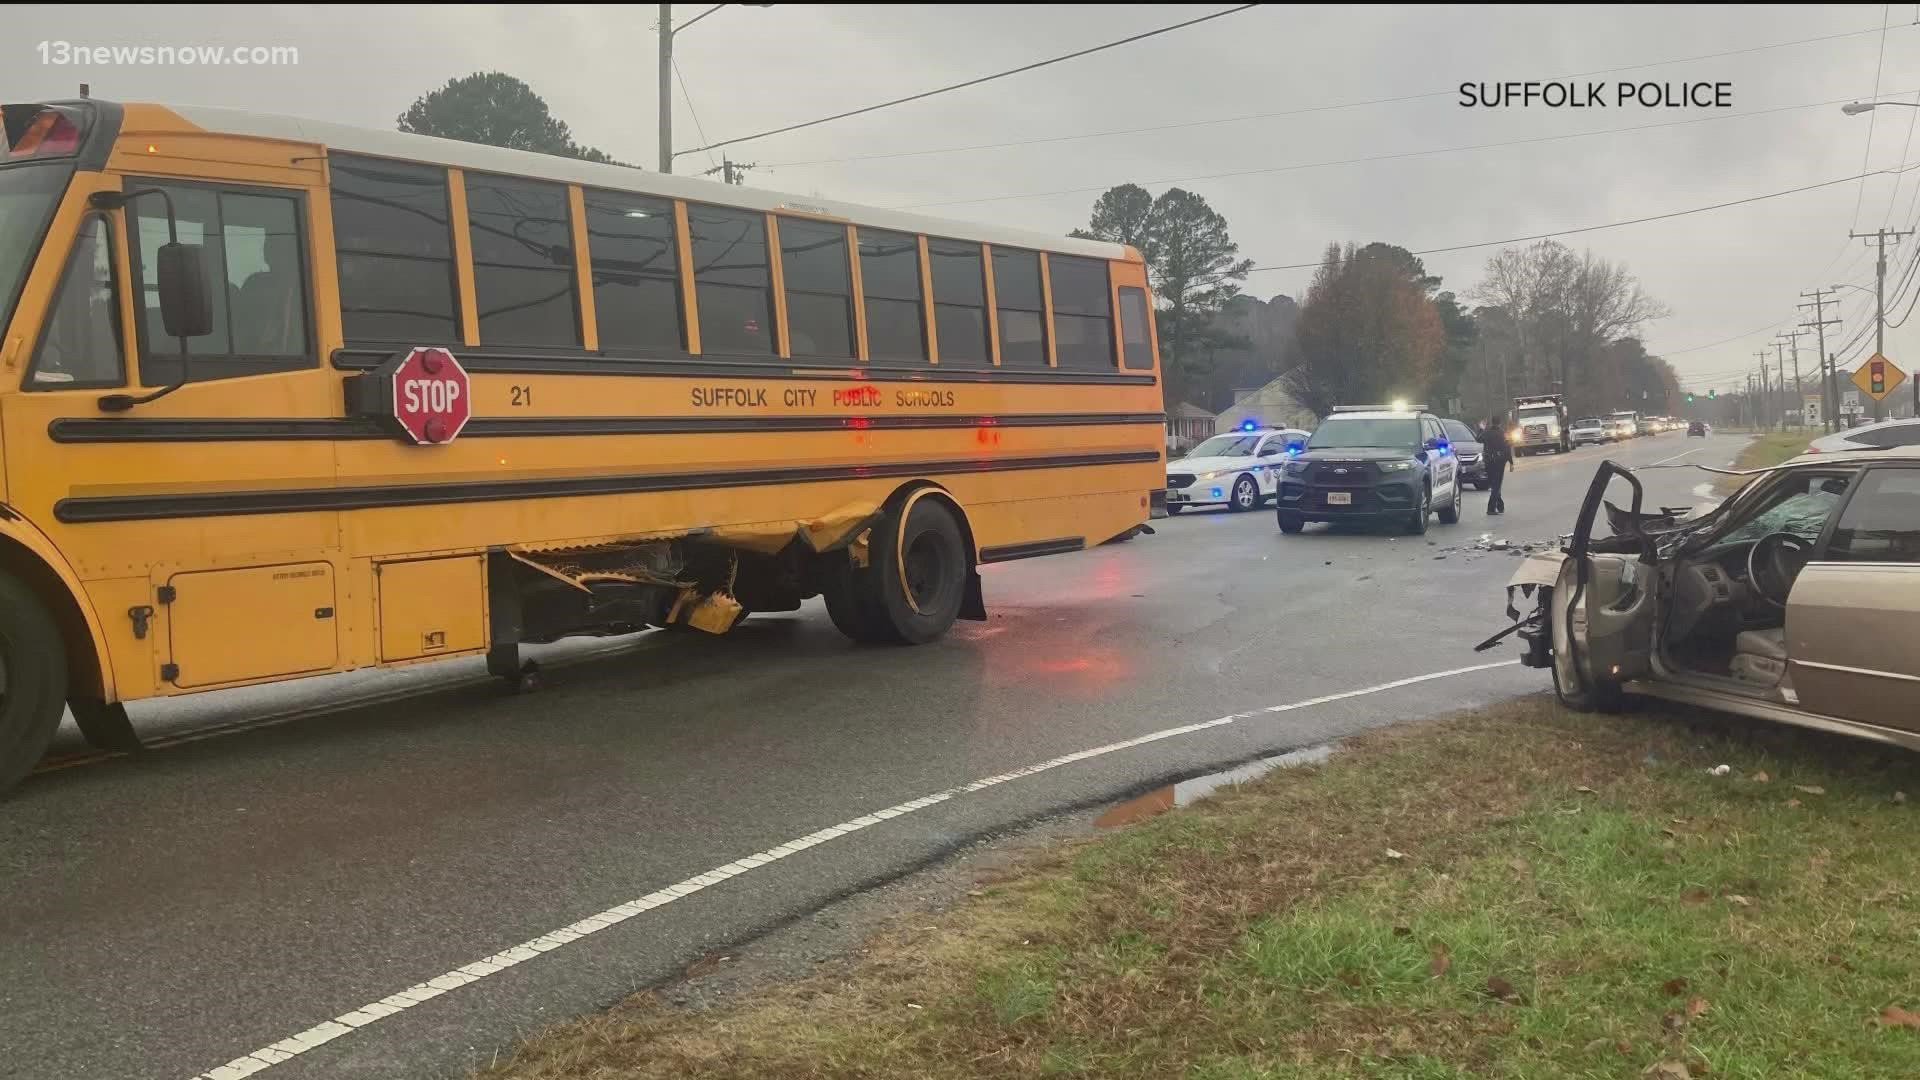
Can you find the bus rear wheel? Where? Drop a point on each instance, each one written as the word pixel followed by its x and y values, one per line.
pixel 33 681
pixel 911 590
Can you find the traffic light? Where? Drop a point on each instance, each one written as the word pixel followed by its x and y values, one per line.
pixel 1689 397
pixel 1712 395
pixel 1877 377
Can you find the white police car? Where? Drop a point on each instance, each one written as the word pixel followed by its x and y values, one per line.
pixel 1238 469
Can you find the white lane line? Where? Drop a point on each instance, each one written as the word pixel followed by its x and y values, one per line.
pixel 268 1056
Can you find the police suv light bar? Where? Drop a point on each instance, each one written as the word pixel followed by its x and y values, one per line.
pixel 1395 407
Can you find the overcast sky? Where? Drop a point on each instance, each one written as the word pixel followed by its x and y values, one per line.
pixel 1724 273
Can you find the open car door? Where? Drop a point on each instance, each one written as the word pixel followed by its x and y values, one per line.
pixel 1594 623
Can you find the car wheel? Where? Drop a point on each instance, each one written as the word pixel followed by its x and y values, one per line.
pixel 1603 696
pixel 1290 523
pixel 1450 513
pixel 1246 495
pixel 33 681
pixel 1417 524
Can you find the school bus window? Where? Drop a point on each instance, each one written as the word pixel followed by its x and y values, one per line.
pixel 813 264
pixel 1082 312
pixel 890 282
pixel 733 287
pixel 81 343
pixel 251 246
pixel 392 238
pixel 1016 292
pixel 1136 341
pixel 959 302
pixel 523 275
pixel 636 272
pixel 28 195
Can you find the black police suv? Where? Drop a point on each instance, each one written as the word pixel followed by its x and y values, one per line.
pixel 1372 464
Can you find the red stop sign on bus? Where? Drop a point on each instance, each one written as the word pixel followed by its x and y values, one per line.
pixel 432 396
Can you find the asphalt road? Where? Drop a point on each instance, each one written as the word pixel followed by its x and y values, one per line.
pixel 166 914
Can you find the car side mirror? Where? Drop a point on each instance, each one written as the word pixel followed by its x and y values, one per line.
pixel 186 304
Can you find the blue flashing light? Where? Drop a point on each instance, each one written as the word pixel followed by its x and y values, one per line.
pixel 1247 425
pixel 1216 493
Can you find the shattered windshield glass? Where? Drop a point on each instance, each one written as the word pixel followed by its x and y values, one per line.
pixel 1803 511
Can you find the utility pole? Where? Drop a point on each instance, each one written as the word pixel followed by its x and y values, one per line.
pixel 666 88
pixel 1796 401
pixel 730 170
pixel 1746 403
pixel 1820 322
pixel 1763 407
pixel 1880 238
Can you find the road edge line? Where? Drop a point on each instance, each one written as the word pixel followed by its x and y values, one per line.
pixel 366 1015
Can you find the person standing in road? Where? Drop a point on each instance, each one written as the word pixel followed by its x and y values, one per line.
pixel 1497 451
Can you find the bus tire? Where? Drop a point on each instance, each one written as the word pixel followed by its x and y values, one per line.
pixel 921 566
pixel 33 680
pixel 849 603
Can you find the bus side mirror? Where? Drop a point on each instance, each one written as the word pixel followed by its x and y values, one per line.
pixel 186 304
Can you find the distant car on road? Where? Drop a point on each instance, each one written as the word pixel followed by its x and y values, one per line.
pixel 1238 469
pixel 1372 464
pixel 1464 440
pixel 1878 436
pixel 1592 429
pixel 1698 427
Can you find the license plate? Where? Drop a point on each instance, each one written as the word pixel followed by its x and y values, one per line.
pixel 1339 498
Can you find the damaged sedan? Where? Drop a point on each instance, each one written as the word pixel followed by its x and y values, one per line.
pixel 1796 600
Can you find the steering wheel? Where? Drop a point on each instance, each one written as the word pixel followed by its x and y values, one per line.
pixel 1781 555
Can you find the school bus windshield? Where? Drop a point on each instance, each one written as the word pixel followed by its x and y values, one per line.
pixel 27 197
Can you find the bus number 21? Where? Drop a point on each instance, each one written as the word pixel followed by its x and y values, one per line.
pixel 523 395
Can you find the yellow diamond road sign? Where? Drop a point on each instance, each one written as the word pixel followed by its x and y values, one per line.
pixel 1878 376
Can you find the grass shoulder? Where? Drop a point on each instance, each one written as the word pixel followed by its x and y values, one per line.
pixel 1516 891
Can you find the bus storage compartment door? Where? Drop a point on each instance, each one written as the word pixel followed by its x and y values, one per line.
pixel 227 626
pixel 432 607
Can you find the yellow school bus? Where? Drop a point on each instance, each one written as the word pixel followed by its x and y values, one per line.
pixel 280 398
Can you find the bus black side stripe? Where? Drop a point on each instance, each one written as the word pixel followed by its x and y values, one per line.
pixel 1010 552
pixel 480 362
pixel 96 508
pixel 90 429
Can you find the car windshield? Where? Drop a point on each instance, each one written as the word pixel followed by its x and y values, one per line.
pixel 27 197
pixel 1459 432
pixel 1226 446
pixel 1337 434
pixel 1591 421
pixel 1536 412
pixel 1801 508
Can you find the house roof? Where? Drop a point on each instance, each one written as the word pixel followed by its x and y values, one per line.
pixel 1189 411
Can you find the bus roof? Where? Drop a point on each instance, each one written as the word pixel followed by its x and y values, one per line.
pixel 429 149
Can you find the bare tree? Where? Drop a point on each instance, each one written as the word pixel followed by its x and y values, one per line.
pixel 1566 309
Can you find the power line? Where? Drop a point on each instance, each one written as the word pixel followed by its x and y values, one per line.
pixel 1866 156
pixel 976 82
pixel 1448 92
pixel 1912 115
pixel 688 97
pixel 1396 156
pixel 1618 224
